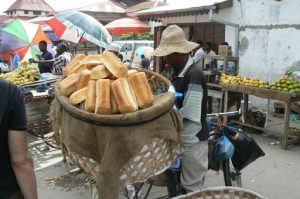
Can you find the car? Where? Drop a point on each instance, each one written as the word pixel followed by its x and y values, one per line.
pixel 127 46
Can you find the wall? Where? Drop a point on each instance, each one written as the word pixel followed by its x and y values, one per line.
pixel 269 39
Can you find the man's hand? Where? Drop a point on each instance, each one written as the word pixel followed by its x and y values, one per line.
pixel 31 60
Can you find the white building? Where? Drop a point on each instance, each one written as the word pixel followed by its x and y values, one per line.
pixel 29 8
pixel 264 33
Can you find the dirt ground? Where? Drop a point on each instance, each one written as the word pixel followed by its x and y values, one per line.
pixel 276 175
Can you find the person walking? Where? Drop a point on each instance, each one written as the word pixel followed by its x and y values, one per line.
pixel 17 177
pixel 199 52
pixel 189 80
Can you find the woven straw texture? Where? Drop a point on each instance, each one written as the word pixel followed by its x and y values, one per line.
pixel 124 148
pixel 223 193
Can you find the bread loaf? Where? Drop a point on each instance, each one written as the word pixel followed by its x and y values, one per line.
pixel 142 90
pixel 103 101
pixel 92 60
pixel 131 72
pixel 90 100
pixel 114 65
pixel 67 86
pixel 78 96
pixel 77 67
pixel 114 106
pixel 123 97
pixel 100 72
pixel 84 77
pixel 77 57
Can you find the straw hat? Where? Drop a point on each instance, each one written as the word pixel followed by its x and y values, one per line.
pixel 173 40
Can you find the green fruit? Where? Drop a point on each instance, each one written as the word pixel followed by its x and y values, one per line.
pixel 292 91
pixel 297 90
pixel 273 87
pixel 291 87
pixel 284 86
pixel 285 89
pixel 289 82
pixel 279 88
pixel 297 85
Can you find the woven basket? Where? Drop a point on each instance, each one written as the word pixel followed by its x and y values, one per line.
pixel 223 193
pixel 152 159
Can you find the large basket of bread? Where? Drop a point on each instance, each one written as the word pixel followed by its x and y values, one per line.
pixel 101 101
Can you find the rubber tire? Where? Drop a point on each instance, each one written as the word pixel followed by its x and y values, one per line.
pixel 226 173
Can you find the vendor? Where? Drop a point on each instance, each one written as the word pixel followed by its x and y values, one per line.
pixel 63 57
pixel 189 80
pixel 46 55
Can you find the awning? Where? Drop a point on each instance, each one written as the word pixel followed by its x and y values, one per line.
pixel 189 7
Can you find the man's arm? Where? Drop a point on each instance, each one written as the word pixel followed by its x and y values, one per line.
pixel 48 63
pixel 22 163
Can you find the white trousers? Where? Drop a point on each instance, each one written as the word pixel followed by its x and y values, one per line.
pixel 194 165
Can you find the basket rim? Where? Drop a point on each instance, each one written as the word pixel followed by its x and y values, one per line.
pixel 158 109
pixel 223 188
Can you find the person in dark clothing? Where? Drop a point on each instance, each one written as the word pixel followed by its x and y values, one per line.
pixel 46 55
pixel 189 80
pixel 145 63
pixel 17 177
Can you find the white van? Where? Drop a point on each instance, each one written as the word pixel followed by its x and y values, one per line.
pixel 127 47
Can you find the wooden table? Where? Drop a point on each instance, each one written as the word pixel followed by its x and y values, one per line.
pixel 285 97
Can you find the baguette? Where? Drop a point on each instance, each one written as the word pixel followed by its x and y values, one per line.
pixel 84 77
pixel 103 101
pixel 114 105
pixel 77 67
pixel 142 90
pixel 75 59
pixel 67 86
pixel 78 96
pixel 92 60
pixel 114 65
pixel 100 72
pixel 121 91
pixel 90 101
pixel 131 72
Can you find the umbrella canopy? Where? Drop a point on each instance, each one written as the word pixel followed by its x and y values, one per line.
pixel 23 38
pixel 127 25
pixel 74 25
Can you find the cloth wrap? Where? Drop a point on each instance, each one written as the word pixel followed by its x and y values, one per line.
pixel 111 140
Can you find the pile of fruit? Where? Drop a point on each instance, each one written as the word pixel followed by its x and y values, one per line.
pixel 245 81
pixel 24 74
pixel 287 85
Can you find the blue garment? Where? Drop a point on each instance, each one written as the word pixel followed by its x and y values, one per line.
pixel 16 60
pixel 45 56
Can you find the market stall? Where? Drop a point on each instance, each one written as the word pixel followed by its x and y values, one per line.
pixel 286 97
pixel 122 146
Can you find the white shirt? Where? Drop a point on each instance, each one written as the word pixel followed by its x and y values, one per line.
pixel 208 61
pixel 198 54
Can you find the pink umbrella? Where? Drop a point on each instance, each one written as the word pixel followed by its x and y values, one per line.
pixel 127 25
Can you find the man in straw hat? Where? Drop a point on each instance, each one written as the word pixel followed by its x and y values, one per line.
pixel 190 81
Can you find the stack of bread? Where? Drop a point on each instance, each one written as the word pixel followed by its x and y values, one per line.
pixel 101 84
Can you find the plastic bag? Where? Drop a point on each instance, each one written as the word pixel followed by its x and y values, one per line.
pixel 224 149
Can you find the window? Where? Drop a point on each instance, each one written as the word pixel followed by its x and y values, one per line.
pixel 138 45
pixel 126 47
pixel 37 12
pixel 26 12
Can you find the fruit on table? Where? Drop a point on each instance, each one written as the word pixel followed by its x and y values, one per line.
pixel 24 74
pixel 256 82
pixel 286 84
